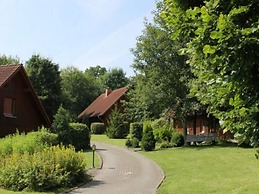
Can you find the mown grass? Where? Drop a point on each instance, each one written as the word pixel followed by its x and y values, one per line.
pixel 105 139
pixel 203 169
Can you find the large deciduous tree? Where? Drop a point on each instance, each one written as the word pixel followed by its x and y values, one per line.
pixel 220 39
pixel 161 74
pixel 45 77
pixel 78 90
pixel 114 79
pixel 95 72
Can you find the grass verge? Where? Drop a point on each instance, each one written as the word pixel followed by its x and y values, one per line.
pixel 203 169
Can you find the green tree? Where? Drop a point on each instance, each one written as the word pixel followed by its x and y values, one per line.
pixel 220 39
pixel 96 71
pixel 162 76
pixel 60 125
pixel 114 79
pixel 117 127
pixel 9 60
pixel 78 90
pixel 45 77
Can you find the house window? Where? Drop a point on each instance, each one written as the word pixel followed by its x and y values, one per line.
pixel 9 105
pixel 204 125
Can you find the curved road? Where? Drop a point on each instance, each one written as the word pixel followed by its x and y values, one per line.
pixel 123 172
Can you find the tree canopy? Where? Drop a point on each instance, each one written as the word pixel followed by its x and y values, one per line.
pixel 45 77
pixel 162 75
pixel 78 90
pixel 220 41
pixel 9 60
pixel 114 78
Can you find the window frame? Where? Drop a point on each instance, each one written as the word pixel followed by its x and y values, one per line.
pixel 9 107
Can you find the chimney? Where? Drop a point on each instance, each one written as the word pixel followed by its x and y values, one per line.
pixel 108 91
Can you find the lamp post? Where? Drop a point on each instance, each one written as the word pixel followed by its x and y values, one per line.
pixel 93 148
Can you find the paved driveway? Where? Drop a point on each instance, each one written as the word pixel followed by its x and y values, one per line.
pixel 123 172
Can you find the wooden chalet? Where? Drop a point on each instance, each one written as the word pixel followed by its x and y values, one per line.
pixel 20 107
pixel 201 127
pixel 100 109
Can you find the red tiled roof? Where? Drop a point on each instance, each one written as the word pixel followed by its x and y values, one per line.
pixel 103 103
pixel 6 72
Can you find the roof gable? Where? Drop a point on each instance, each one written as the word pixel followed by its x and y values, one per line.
pixel 103 103
pixel 7 72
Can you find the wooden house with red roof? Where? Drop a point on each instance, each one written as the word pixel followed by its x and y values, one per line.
pixel 20 107
pixel 201 126
pixel 100 109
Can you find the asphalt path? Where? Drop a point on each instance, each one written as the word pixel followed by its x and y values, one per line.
pixel 123 172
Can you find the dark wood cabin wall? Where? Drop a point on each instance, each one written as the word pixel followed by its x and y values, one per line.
pixel 27 114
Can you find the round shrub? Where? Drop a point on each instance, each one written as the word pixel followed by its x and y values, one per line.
pixel 79 136
pixel 177 139
pixel 97 128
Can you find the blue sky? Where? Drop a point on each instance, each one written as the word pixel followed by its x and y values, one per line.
pixel 81 33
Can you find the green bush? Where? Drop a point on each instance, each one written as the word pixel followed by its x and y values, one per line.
pixel 51 168
pixel 158 123
pixel 79 136
pixel 117 127
pixel 148 142
pixel 177 139
pixel 132 142
pixel 32 142
pixel 166 144
pixel 97 128
pixel 128 143
pixel 163 133
pixel 61 126
pixel 118 132
pixel 136 130
pixel 135 142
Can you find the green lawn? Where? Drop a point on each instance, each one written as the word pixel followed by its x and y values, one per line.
pixel 203 169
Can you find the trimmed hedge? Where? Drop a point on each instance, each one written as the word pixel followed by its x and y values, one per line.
pixel 97 128
pixel 79 135
pixel 135 136
pixel 136 130
pixel 148 142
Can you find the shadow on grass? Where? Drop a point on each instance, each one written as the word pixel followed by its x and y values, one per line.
pixel 216 145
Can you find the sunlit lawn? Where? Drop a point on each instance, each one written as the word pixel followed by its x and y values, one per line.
pixel 89 161
pixel 203 169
